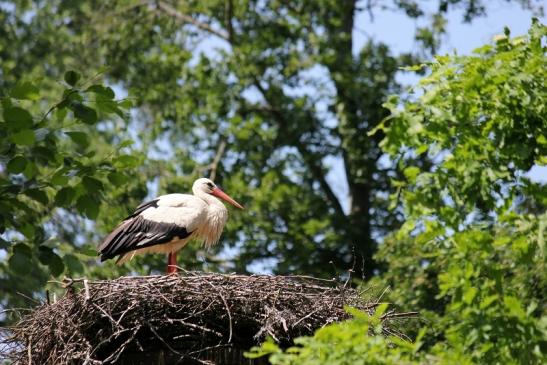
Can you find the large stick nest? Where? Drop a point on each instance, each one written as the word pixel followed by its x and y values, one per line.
pixel 105 321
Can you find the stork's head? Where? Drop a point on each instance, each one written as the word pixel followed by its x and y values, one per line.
pixel 206 186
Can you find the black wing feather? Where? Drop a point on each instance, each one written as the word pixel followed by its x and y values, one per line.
pixel 141 208
pixel 136 232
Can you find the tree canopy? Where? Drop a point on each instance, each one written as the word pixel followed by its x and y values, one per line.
pixel 471 251
pixel 278 90
pixel 103 106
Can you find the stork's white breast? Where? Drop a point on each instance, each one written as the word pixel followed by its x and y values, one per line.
pixel 181 209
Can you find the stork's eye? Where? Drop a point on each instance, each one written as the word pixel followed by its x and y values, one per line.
pixel 210 185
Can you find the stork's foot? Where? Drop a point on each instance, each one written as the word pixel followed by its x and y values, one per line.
pixel 172 263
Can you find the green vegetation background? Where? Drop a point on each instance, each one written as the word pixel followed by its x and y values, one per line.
pixel 450 222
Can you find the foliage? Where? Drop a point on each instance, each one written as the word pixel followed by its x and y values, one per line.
pixel 50 167
pixel 476 223
pixel 281 86
pixel 278 83
pixel 471 251
pixel 356 341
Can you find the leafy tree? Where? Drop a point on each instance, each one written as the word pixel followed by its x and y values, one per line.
pixel 471 250
pixel 280 90
pixel 475 222
pixel 48 168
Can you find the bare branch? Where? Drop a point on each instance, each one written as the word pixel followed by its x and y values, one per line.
pixel 214 165
pixel 171 11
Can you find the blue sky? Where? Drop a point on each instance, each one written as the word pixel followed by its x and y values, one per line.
pixel 397 30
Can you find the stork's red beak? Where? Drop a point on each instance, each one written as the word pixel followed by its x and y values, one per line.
pixel 222 195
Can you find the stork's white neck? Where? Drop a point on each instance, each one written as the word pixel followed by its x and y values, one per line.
pixel 217 215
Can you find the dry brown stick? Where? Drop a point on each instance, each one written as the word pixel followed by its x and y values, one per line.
pixel 121 348
pixel 162 340
pixel 307 316
pixel 227 310
pixel 400 315
pixel 204 329
pixel 29 349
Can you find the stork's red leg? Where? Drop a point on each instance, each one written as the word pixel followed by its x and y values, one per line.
pixel 172 263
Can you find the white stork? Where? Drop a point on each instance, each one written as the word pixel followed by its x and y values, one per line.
pixel 167 223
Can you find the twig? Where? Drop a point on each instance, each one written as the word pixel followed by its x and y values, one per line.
pixel 162 340
pixel 227 310
pixel 214 165
pixel 306 316
pixel 169 10
pixel 382 295
pixel 29 350
pixel 86 287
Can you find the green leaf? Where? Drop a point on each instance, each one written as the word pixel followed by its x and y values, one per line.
pixel 48 257
pixel 26 137
pixel 25 91
pixel 91 184
pixel 22 248
pixel 17 118
pixel 110 107
pixel 117 179
pixel 73 264
pixel 17 165
pixel 414 67
pixel 126 143
pixel 514 306
pixel 38 195
pixel 72 77
pixel 20 262
pixel 126 104
pixel 101 90
pixel 4 244
pixel 44 155
pixel 70 96
pixel 60 113
pixel 28 230
pixel 30 170
pixel 126 161
pixel 411 173
pixel 87 206
pixel 84 113
pixel 59 179
pixel 79 138
pixel 469 294
pixel 88 250
pixel 65 196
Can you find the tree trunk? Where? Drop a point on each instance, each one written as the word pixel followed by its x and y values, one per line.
pixel 356 148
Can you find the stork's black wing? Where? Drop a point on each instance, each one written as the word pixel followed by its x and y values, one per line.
pixel 136 232
pixel 141 208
